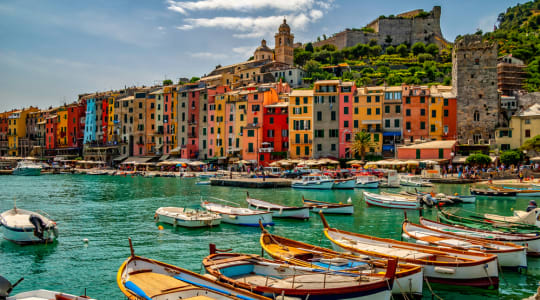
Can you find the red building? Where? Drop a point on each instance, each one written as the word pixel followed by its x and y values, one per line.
pixel 415 113
pixel 449 117
pixel 104 118
pixel 76 113
pixel 275 143
pixel 193 123
pixel 50 132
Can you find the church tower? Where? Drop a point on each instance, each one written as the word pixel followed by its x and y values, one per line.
pixel 284 51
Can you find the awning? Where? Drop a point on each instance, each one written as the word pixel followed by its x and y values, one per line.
pixel 175 150
pixel 388 147
pixel 120 158
pixel 392 133
pixel 536 158
pixel 368 122
pixel 136 160
pixel 164 157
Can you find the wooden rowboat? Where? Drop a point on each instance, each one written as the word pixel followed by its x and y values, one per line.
pixel 185 217
pixel 391 201
pixel 520 192
pixel 408 278
pixel 329 207
pixel 445 266
pixel 279 211
pixel 508 254
pixel 269 278
pixel 506 224
pixel 491 192
pixel 532 242
pixel 143 278
pixel 239 215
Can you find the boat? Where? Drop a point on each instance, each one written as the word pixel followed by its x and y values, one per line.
pixel 269 278
pixel 491 192
pixel 391 201
pixel 144 278
pixel 429 199
pixel 185 217
pixel 344 184
pixel 408 278
pixel 239 215
pixel 27 227
pixel 532 242
pixel 27 168
pixel 6 287
pixel 390 179
pixel 456 198
pixel 316 182
pixel 445 266
pixel 279 211
pixel 413 180
pixel 508 254
pixel 203 182
pixel 367 182
pixel 524 222
pixel 329 207
pixel 520 192
pixel 452 219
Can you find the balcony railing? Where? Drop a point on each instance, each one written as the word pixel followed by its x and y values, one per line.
pixel 268 149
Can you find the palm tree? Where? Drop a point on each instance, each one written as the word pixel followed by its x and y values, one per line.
pixel 362 140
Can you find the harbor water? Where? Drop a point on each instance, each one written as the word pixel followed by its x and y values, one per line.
pixel 107 210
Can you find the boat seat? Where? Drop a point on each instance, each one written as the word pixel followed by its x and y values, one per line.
pixel 218 263
pixel 155 284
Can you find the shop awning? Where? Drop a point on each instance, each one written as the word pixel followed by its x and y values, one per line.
pixel 392 133
pixel 120 158
pixel 388 147
pixel 136 160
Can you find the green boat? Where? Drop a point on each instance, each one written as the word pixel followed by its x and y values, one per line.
pixel 475 220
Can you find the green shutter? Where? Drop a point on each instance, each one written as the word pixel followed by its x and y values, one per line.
pixel 441 153
pixel 417 153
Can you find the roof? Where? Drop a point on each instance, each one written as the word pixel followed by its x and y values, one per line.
pixel 347 83
pixel 335 81
pixel 126 98
pixel 279 104
pixel 393 88
pixel 301 93
pixel 213 77
pixel 531 111
pixel 432 145
pixel 156 92
pixel 137 160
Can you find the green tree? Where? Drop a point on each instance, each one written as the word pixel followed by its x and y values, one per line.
pixel 418 48
pixel 312 66
pixel 478 159
pixel 322 56
pixel 402 50
pixel 375 50
pixel 362 141
pixel 390 50
pixel 194 79
pixel 329 47
pixel 432 49
pixel 532 144
pixel 360 50
pixel 511 157
pixel 422 57
pixel 388 40
pixel 309 47
pixel 167 82
pixel 302 56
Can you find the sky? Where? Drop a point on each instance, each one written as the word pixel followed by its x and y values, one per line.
pixel 53 50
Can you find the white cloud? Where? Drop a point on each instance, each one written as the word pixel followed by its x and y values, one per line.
pixel 244 51
pixel 209 55
pixel 486 23
pixel 243 5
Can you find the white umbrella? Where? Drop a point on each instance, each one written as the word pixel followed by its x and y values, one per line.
pixel 196 163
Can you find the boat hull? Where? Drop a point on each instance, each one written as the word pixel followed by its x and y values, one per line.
pixel 294 213
pixel 380 201
pixel 344 185
pixel 328 185
pixel 367 185
pixel 45 294
pixel 251 220
pixel 187 223
pixel 25 235
pixel 27 171
pixel 342 210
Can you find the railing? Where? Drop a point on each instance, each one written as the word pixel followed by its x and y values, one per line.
pixel 270 149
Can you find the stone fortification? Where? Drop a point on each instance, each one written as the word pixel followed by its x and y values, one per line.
pixel 474 82
pixel 408 28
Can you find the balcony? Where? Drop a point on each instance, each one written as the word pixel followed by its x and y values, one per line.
pixel 192 122
pixel 192 136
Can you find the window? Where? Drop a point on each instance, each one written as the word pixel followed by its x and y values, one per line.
pixel 297 139
pixel 319 147
pixel 346 110
pixel 386 123
pixel 376 137
pixel 387 109
pixel 345 99
pixel 377 98
pixel 446 112
pixel 250 147
pixel 368 99
pixel 422 99
pixel 408 112
pixel 445 102
pixel 333 115
pixel 305 109
pixel 369 111
pixel 333 147
pixel 271 120
pixel 422 125
pixel 408 125
pixel 356 110
pixel 319 133
pixel 297 150
pixel 255 107
pixel 408 100
pixel 445 129
pixel 433 113
pixel 251 133
pixel 398 109
pixel 355 99
pixel 255 120
pixel 333 133
pixel 396 123
pixel 422 111
pixel 346 124
pixel 476 116
pixel 306 140
pixel 377 111
pixel 417 153
pixel 355 123
pixel 297 101
pixel 305 100
pixel 432 129
pixel 319 116
pixel 432 100
pixel 527 133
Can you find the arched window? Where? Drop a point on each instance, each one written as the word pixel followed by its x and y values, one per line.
pixel 476 116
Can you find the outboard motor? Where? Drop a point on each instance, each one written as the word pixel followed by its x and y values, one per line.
pixel 39 225
pixel 6 287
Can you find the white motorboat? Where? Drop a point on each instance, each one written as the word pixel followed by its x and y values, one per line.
pixel 391 201
pixel 344 184
pixel 279 211
pixel 239 215
pixel 316 182
pixel 185 217
pixel 367 182
pixel 27 227
pixel 46 295
pixel 413 180
pixel 27 168
pixel 531 241
pixel 329 207
pixel 203 182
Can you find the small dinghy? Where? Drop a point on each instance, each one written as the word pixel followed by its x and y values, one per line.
pixel 391 201
pixel 270 278
pixel 509 255
pixel 445 266
pixel 492 193
pixel 6 287
pixel 520 192
pixel 27 227
pixel 532 242
pixel 185 217
pixel 143 278
pixel 408 278
pixel 239 215
pixel 279 211
pixel 329 207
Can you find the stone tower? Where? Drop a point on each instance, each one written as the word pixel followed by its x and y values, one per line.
pixel 263 52
pixel 474 82
pixel 284 51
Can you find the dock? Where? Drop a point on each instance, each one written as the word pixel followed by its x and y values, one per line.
pixel 6 172
pixel 259 183
pixel 451 180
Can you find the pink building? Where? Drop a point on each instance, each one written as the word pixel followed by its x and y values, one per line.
pixel 193 123
pixel 346 130
pixel 428 150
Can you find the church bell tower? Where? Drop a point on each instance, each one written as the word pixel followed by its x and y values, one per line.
pixel 284 51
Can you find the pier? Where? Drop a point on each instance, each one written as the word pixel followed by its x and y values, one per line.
pixel 268 183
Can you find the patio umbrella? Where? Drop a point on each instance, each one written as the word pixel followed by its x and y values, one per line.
pixel 197 163
pixel 243 162
pixel 274 164
pixel 412 162
pixel 429 162
pixel 354 162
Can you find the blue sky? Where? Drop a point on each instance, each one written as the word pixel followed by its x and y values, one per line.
pixel 51 51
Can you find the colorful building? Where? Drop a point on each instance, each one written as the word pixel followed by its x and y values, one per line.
pixel 392 120
pixel 416 113
pixel 275 143
pixel 50 135
pixel 4 127
pixel 434 150
pixel 326 118
pixel 346 131
pixel 90 121
pixel 368 115
pixel 62 127
pixel 523 126
pixel 300 124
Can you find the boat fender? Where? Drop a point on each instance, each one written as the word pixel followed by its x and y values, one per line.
pixel 405 236
pixel 39 225
pixel 422 242
pixel 445 270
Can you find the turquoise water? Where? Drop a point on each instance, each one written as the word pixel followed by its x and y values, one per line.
pixel 107 210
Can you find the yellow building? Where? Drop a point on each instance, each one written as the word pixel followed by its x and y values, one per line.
pixel 240 119
pixel 17 129
pixel 110 123
pixel 368 114
pixel 523 126
pixel 220 136
pixel 436 111
pixel 301 124
pixel 61 128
